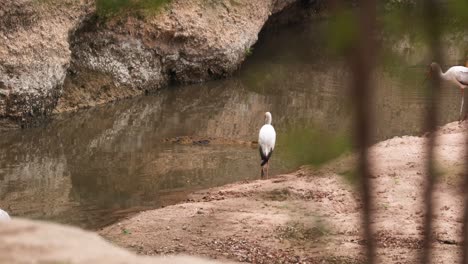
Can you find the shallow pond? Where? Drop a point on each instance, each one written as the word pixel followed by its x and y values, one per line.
pixel 96 166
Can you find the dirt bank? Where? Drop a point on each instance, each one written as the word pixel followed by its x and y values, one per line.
pixel 313 215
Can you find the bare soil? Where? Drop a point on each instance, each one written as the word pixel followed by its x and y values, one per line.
pixel 313 215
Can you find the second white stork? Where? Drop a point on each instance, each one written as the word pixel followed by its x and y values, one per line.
pixel 266 142
pixel 4 216
pixel 457 75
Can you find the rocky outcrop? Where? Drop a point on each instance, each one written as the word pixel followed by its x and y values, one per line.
pixel 34 53
pixel 25 241
pixel 63 52
pixel 186 42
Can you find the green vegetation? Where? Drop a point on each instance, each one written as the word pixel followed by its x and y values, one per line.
pixel 138 8
pixel 385 206
pixel 403 36
pixel 314 146
pixel 342 31
pixel 278 194
pixel 248 51
pixel 126 231
pixel 299 231
pixel 351 176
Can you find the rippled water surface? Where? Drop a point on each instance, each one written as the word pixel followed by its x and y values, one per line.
pixel 93 167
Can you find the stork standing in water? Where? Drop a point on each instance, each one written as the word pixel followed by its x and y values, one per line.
pixel 266 142
pixel 457 75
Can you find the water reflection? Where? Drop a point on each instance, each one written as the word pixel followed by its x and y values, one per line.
pixel 96 166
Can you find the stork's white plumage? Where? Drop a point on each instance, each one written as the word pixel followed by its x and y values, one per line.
pixel 266 142
pixel 4 216
pixel 457 75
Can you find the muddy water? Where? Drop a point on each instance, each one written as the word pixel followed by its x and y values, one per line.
pixel 96 166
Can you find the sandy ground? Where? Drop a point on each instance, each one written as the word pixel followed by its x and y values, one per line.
pixel 29 241
pixel 313 215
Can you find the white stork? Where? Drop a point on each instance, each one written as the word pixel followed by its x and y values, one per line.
pixel 266 142
pixel 457 75
pixel 4 216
